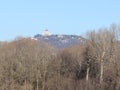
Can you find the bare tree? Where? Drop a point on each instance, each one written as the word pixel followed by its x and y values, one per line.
pixel 101 46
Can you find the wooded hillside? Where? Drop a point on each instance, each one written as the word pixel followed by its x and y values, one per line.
pixel 26 64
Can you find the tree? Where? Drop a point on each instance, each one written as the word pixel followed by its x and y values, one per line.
pixel 101 46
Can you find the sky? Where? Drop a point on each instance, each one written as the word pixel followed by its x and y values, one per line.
pixel 30 17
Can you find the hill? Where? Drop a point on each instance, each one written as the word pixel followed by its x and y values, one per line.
pixel 60 41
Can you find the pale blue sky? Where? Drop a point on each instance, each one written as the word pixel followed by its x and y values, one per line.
pixel 29 17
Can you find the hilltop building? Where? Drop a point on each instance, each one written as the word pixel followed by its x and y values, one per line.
pixel 46 33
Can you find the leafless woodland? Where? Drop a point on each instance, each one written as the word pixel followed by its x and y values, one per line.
pixel 26 64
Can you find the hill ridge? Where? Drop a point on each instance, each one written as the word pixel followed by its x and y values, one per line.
pixel 60 41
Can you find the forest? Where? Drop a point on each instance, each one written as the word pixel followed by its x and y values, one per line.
pixel 26 64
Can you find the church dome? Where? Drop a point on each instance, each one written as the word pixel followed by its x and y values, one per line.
pixel 46 33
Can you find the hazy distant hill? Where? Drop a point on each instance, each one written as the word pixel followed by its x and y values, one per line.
pixel 60 41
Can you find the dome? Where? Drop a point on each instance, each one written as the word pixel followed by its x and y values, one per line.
pixel 46 33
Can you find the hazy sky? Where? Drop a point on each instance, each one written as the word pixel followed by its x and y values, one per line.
pixel 29 17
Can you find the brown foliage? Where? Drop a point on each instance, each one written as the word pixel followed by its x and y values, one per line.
pixel 26 64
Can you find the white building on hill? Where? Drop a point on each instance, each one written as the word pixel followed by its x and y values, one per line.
pixel 46 33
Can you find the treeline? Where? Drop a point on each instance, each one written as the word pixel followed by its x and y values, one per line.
pixel 26 64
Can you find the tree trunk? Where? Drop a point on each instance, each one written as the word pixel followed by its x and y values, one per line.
pixel 87 77
pixel 101 74
pixel 101 68
pixel 37 85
